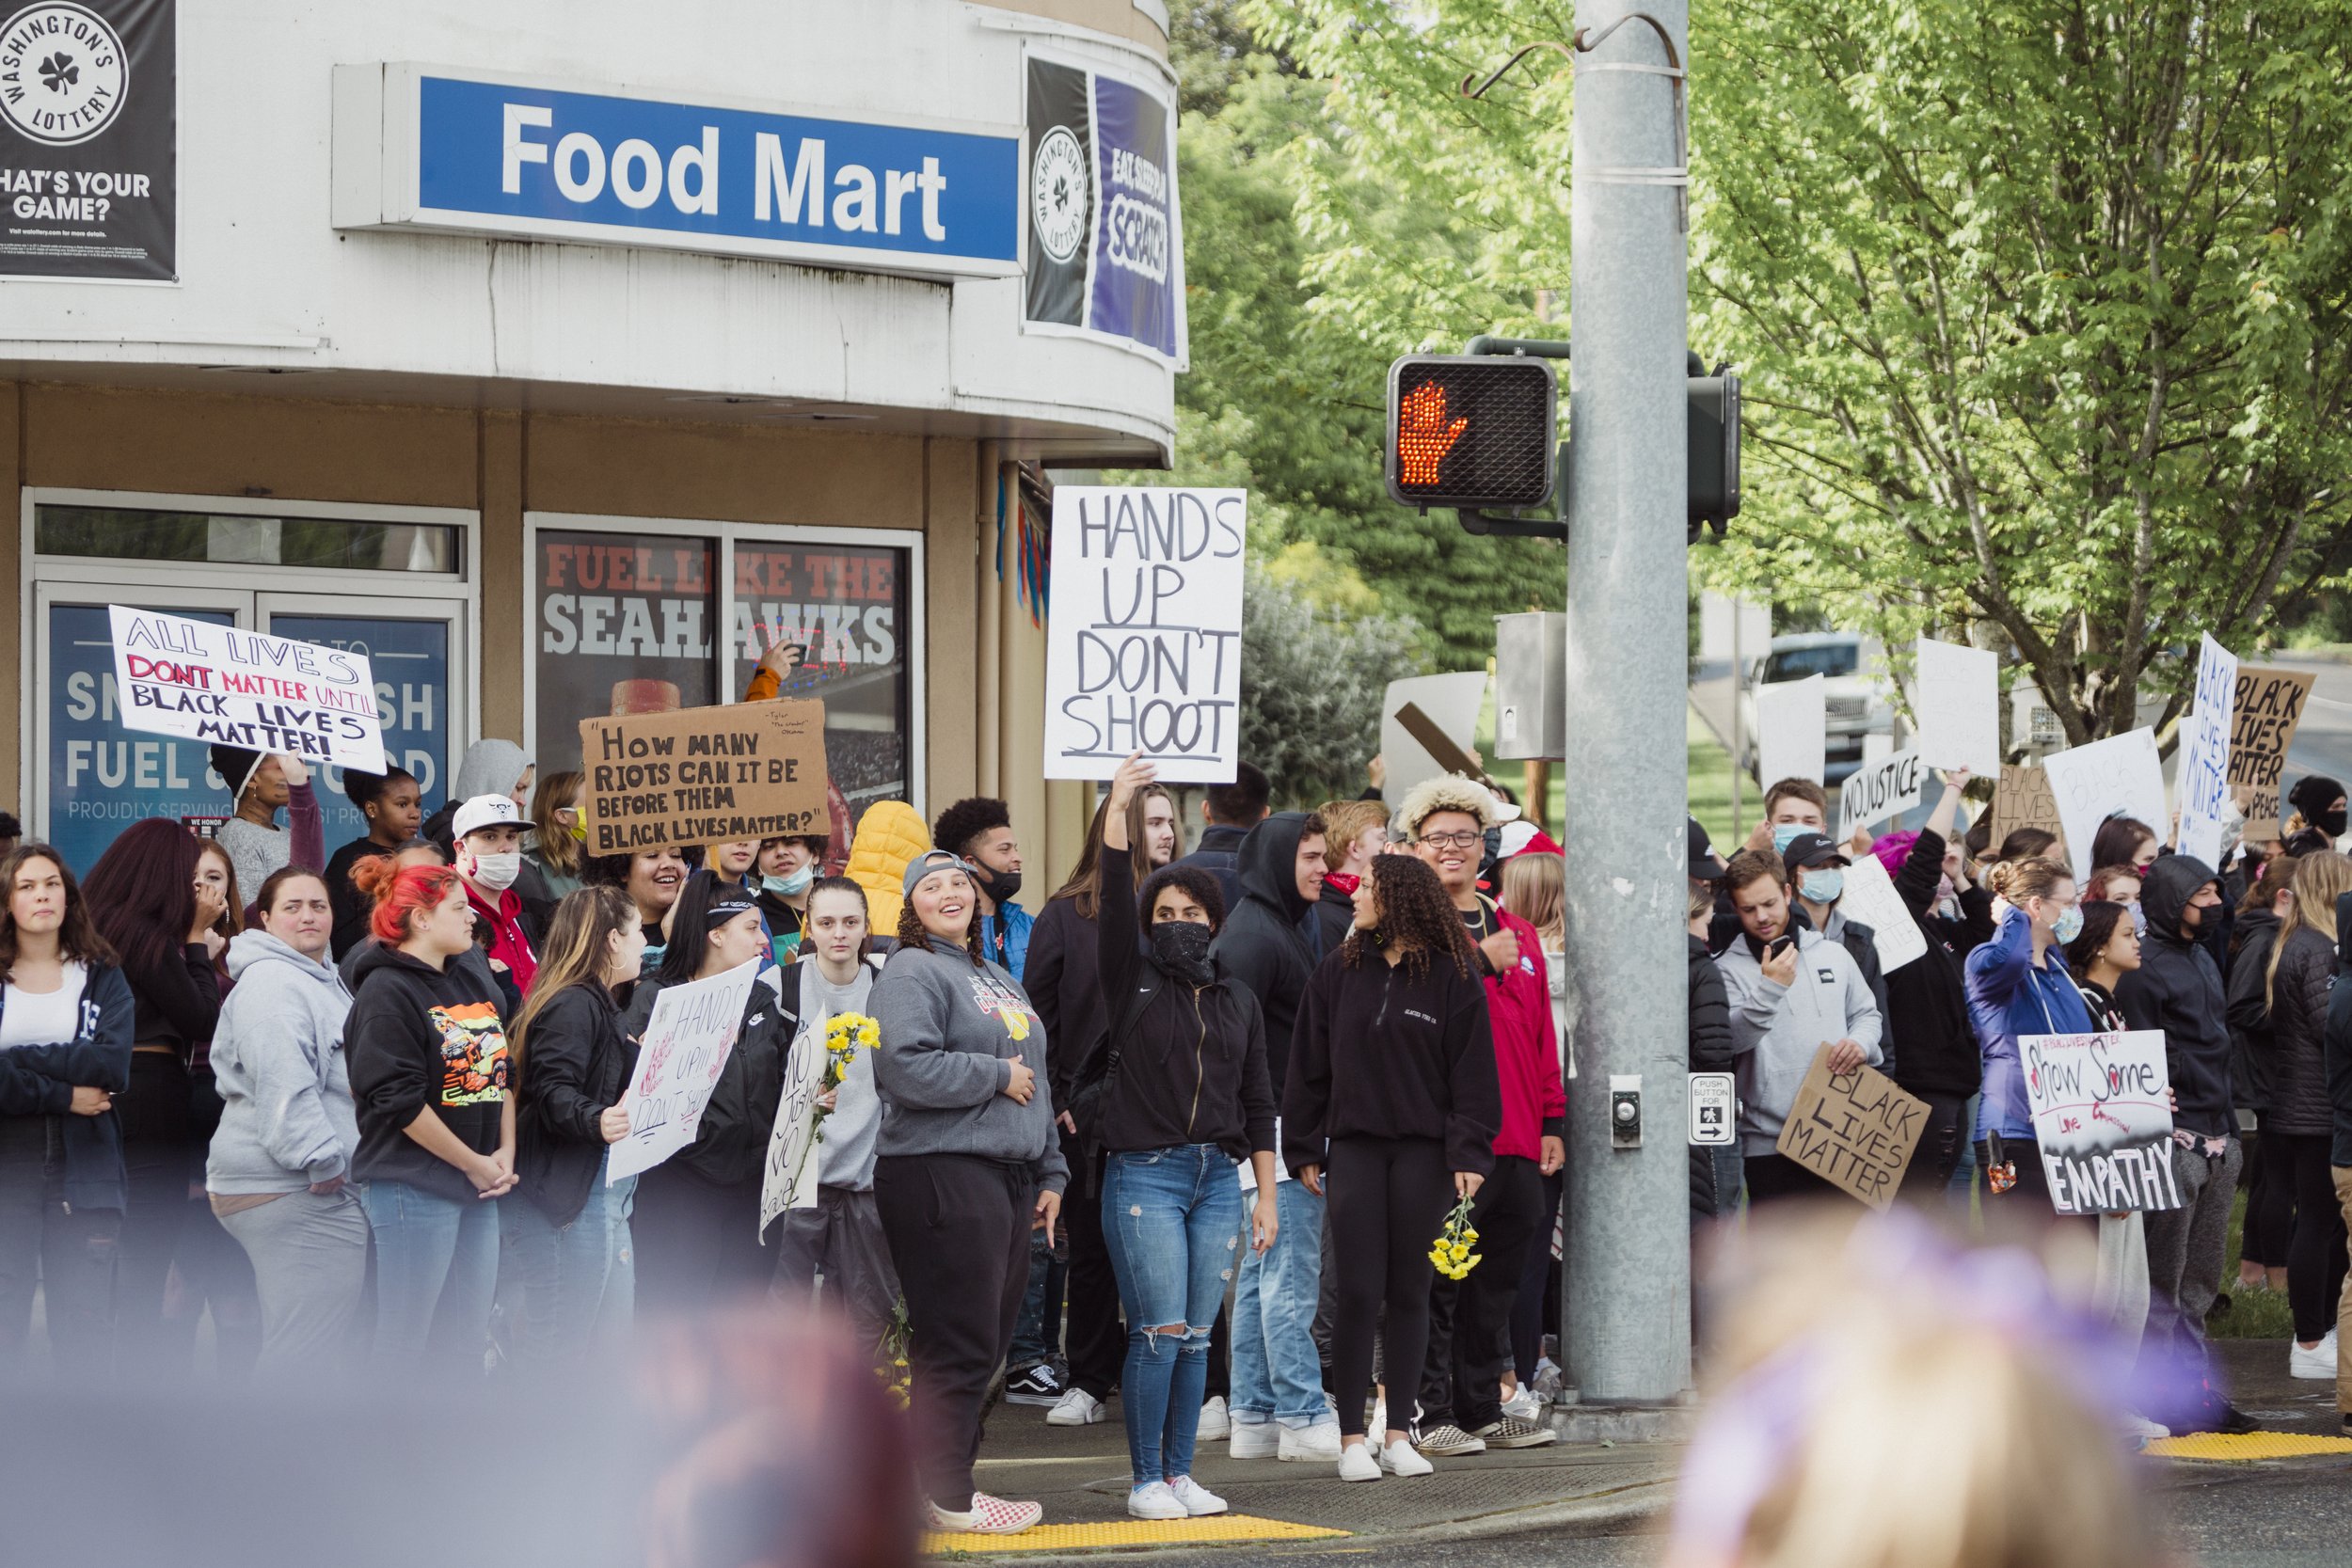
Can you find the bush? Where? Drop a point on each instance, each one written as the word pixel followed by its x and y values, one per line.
pixel 1310 689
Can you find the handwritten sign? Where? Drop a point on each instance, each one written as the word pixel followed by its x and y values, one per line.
pixel 2263 720
pixel 1878 791
pixel 217 684
pixel 2102 1120
pixel 2118 776
pixel 1856 1131
pixel 1871 897
pixel 1960 706
pixel 793 1162
pixel 684 1050
pixel 2205 778
pixel 703 775
pixel 2024 800
pixel 1791 730
pixel 1143 643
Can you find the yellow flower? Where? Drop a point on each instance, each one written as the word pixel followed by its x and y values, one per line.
pixel 868 1037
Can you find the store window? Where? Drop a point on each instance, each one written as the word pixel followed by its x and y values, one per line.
pixel 623 622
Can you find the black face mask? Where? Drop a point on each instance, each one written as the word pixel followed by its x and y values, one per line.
pixel 1181 947
pixel 2330 822
pixel 1003 886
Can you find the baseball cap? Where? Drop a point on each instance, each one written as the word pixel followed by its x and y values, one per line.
pixel 1704 866
pixel 485 811
pixel 1810 849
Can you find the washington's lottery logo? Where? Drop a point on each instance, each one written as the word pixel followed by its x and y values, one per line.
pixel 1058 192
pixel 62 73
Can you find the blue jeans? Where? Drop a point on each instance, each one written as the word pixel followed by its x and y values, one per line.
pixel 1171 1218
pixel 570 1287
pixel 1276 1374
pixel 437 1271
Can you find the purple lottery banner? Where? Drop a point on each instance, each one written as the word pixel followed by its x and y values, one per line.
pixel 1136 258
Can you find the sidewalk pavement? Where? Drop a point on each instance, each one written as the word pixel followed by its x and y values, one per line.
pixel 1080 1475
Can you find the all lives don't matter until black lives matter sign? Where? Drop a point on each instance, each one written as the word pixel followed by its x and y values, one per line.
pixel 89 137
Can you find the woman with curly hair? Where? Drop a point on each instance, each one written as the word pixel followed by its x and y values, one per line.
pixel 1392 1089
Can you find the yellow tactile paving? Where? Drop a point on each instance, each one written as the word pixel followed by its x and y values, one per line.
pixel 1127 1532
pixel 2246 1446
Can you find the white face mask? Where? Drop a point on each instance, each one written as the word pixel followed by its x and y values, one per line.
pixel 498 872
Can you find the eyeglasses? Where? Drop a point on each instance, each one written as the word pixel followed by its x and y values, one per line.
pixel 1452 841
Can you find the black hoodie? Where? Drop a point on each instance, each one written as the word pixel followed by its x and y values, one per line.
pixel 1262 946
pixel 1218 853
pixel 422 1039
pixel 2177 989
pixel 580 1062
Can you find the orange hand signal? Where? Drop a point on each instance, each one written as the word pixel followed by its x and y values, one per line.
pixel 1423 436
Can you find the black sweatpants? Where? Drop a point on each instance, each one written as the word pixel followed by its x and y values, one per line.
pixel 958 1231
pixel 2315 1253
pixel 1927 1180
pixel 1388 1198
pixel 698 1242
pixel 1096 1339
pixel 2269 1187
pixel 159 1156
pixel 1470 1320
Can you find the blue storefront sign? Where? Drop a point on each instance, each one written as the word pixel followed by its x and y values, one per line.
pixel 505 157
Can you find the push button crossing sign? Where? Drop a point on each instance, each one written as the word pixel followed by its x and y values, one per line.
pixel 1714 1103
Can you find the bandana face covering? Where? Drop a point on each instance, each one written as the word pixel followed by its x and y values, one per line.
pixel 1181 947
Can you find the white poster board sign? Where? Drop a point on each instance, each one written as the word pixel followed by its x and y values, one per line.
pixel 2204 779
pixel 2118 776
pixel 1960 706
pixel 1451 701
pixel 223 686
pixel 2102 1120
pixel 684 1050
pixel 1143 639
pixel 793 1160
pixel 1871 897
pixel 1791 730
pixel 1881 789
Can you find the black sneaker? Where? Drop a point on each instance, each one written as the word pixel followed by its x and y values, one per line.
pixel 1511 1432
pixel 2234 1421
pixel 1446 1439
pixel 1038 1386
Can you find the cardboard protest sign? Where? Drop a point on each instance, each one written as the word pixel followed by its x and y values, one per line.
pixel 703 775
pixel 1960 706
pixel 680 1058
pixel 1854 1131
pixel 1450 702
pixel 2204 777
pixel 217 684
pixel 1872 899
pixel 1792 730
pixel 1881 789
pixel 2101 1119
pixel 2263 720
pixel 793 1163
pixel 2024 800
pixel 1143 639
pixel 2118 776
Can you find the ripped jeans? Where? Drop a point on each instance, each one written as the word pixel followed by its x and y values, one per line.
pixel 1171 1219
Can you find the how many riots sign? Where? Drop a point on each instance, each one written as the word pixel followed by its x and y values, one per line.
pixel 703 775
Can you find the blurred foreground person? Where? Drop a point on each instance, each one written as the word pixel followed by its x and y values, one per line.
pixel 1853 1354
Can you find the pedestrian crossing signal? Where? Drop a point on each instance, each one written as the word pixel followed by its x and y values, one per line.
pixel 1469 431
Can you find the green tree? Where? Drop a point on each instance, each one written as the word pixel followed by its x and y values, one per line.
pixel 2040 304
pixel 1311 687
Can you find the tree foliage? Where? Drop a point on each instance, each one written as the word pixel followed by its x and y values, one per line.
pixel 2040 304
pixel 1311 687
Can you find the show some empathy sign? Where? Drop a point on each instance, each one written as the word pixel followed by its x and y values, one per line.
pixel 1856 1131
pixel 679 1059
pixel 2102 1120
pixel 1143 643
pixel 224 686
pixel 703 775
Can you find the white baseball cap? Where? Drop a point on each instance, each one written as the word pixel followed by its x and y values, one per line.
pixel 485 811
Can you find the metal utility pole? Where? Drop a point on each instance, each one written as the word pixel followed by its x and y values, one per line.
pixel 1626 1292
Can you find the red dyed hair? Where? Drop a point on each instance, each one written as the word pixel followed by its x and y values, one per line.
pixel 399 894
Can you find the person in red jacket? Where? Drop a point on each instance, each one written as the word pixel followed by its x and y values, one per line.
pixel 1447 818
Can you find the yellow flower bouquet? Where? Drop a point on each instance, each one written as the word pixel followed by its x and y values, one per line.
pixel 1450 1252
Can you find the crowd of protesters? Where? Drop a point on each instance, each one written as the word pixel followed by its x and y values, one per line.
pixel 1197 1138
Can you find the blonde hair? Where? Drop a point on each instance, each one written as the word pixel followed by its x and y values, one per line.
pixel 2034 877
pixel 1342 820
pixel 2320 878
pixel 1446 792
pixel 556 845
pixel 1534 888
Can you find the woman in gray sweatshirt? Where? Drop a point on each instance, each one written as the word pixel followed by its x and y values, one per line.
pixel 965 1163
pixel 281 1161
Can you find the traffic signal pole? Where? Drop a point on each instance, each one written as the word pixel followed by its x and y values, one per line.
pixel 1626 1293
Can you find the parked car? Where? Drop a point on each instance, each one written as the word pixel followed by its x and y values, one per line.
pixel 1857 698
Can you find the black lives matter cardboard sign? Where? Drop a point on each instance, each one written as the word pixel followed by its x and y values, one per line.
pixel 1856 1131
pixel 703 775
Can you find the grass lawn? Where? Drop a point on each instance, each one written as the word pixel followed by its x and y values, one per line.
pixel 1709 773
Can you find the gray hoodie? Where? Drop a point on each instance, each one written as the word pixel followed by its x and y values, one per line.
pixel 490 767
pixel 951 1030
pixel 287 1118
pixel 1777 1030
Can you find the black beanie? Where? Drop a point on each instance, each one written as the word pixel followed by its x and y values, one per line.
pixel 235 765
pixel 2314 794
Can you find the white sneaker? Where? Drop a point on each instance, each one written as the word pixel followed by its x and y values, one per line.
pixel 2315 1363
pixel 1155 1501
pixel 1259 1440
pixel 1399 1459
pixel 1077 1408
pixel 1318 1441
pixel 1379 1426
pixel 1214 1421
pixel 1197 1499
pixel 2141 1429
pixel 1525 1404
pixel 1356 1464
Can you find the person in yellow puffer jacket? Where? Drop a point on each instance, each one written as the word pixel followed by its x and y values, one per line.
pixel 889 836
